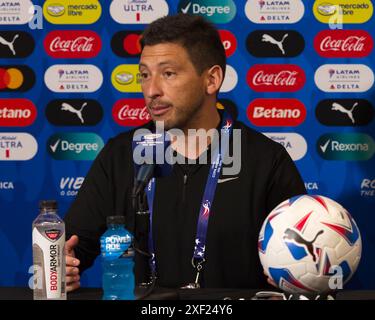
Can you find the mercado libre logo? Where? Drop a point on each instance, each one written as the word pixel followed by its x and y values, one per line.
pixel 74 146
pixel 72 11
pixel 343 11
pixel 15 78
pixel 16 12
pixel 126 78
pixel 346 146
pixel 216 11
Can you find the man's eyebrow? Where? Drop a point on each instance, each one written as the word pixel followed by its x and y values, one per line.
pixel 159 64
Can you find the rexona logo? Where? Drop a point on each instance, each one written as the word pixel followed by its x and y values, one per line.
pixel 72 44
pixel 16 78
pixel 74 146
pixel 294 143
pixel 69 186
pixel 74 112
pixel 16 146
pixel 343 43
pixel 72 11
pixel 138 11
pixel 275 43
pixel 230 80
pixel 262 11
pixel 216 11
pixel 229 42
pixel 276 78
pixel 346 146
pixel 276 112
pixel 126 44
pixel 16 12
pixel 126 78
pixel 344 78
pixel 17 113
pixel 343 11
pixel 16 44
pixel 130 112
pixel 344 112
pixel 73 78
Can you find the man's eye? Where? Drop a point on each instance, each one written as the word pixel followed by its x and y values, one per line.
pixel 169 74
pixel 144 75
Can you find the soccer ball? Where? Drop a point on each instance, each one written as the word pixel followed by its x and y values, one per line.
pixel 309 244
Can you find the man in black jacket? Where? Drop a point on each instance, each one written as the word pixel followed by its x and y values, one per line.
pixel 182 67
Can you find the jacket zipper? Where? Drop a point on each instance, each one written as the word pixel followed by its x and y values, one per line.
pixel 184 188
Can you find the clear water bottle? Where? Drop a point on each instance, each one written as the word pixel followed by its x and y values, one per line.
pixel 117 260
pixel 48 234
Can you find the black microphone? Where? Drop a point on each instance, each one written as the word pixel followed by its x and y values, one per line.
pixel 145 173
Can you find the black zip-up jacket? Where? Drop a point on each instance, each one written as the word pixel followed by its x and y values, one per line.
pixel 268 176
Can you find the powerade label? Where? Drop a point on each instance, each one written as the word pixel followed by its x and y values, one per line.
pixel 114 246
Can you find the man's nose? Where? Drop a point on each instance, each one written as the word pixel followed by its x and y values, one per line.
pixel 152 88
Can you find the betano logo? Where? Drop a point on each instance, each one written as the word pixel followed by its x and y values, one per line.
pixel 17 113
pixel 74 146
pixel 72 11
pixel 344 78
pixel 16 78
pixel 216 11
pixel 126 78
pixel 343 11
pixel 138 11
pixel 229 42
pixel 16 146
pixel 75 78
pixel 346 146
pixel 270 12
pixel 16 12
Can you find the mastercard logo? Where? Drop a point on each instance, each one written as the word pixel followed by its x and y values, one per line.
pixel 127 44
pixel 16 78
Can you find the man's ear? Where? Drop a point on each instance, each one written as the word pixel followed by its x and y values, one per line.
pixel 214 79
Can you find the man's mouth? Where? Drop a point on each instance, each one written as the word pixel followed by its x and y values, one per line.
pixel 159 110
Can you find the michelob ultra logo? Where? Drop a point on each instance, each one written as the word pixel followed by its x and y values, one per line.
pixel 74 146
pixel 344 78
pixel 216 11
pixel 126 78
pixel 16 12
pixel 16 78
pixel 16 146
pixel 17 113
pixel 72 11
pixel 73 78
pixel 138 11
pixel 343 11
pixel 346 146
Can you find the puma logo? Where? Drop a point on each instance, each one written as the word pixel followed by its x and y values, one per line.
pixel 349 113
pixel 268 38
pixel 68 107
pixel 291 234
pixel 10 45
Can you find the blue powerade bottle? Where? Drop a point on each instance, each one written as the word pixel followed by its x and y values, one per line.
pixel 117 260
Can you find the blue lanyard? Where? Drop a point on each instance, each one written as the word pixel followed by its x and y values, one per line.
pixel 205 208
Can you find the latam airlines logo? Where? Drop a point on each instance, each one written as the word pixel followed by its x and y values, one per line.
pixel 343 43
pixel 138 11
pixel 17 113
pixel 16 44
pixel 294 143
pixel 346 146
pixel 344 78
pixel 345 112
pixel 271 11
pixel 72 11
pixel 276 78
pixel 216 11
pixel 73 78
pixel 126 44
pixel 74 146
pixel 130 112
pixel 343 11
pixel 73 44
pixel 126 78
pixel 16 12
pixel 16 146
pixel 16 78
pixel 276 112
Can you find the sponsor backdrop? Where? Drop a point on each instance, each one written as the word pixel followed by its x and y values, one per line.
pixel 297 71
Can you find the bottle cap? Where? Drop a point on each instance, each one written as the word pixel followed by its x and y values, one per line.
pixel 48 204
pixel 115 220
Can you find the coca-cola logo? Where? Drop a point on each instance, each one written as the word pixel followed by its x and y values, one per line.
pixel 276 112
pixel 72 44
pixel 130 112
pixel 17 113
pixel 276 78
pixel 343 43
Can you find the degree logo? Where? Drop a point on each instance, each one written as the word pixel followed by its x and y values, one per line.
pixel 16 12
pixel 126 78
pixel 16 78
